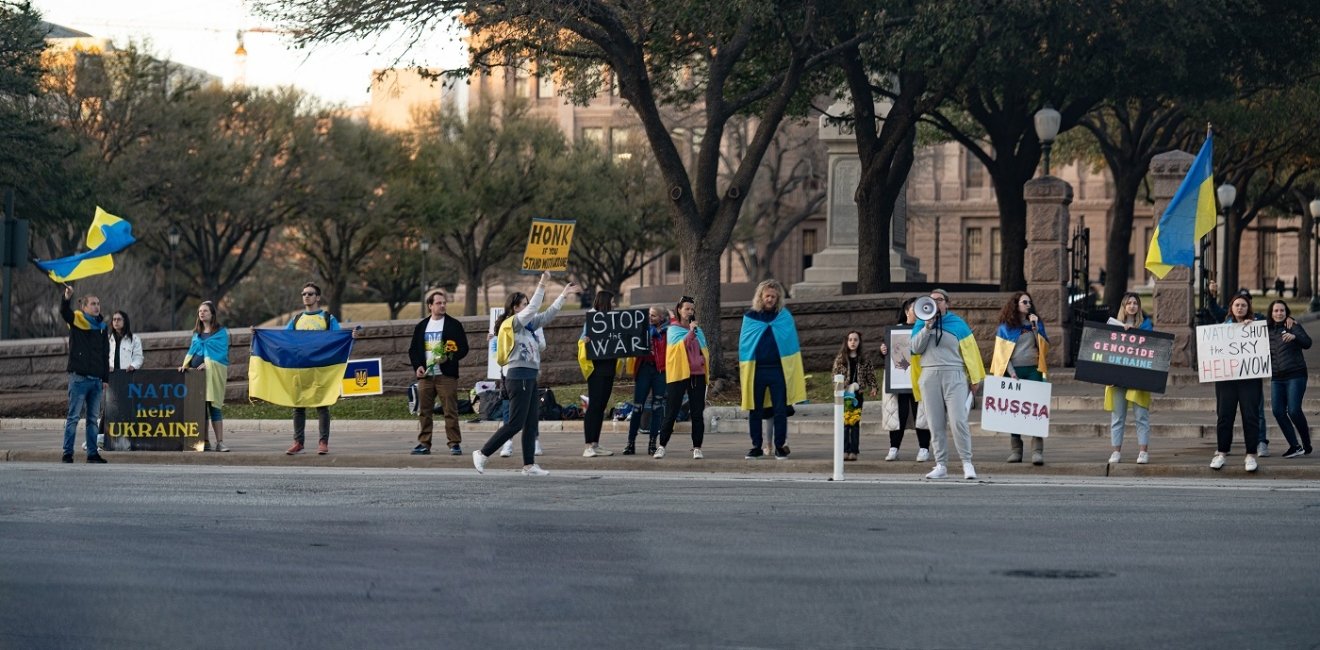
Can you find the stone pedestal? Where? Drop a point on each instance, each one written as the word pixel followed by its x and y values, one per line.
pixel 1172 304
pixel 836 265
pixel 1046 257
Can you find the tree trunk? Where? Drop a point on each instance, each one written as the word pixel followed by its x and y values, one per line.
pixel 1012 229
pixel 473 280
pixel 882 182
pixel 1305 242
pixel 701 280
pixel 1118 244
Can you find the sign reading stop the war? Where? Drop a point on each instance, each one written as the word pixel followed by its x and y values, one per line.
pixel 615 334
pixel 1232 351
pixel 1016 406
pixel 547 245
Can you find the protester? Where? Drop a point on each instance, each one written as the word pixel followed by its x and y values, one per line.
pixel 313 318
pixel 600 384
pixel 1118 400
pixel 125 346
pixel 209 351
pixel 518 325
pixel 1021 346
pixel 1237 394
pixel 770 361
pixel 687 359
pixel 858 374
pixel 507 450
pixel 946 369
pixel 438 344
pixel 897 408
pixel 89 369
pixel 649 372
pixel 1288 367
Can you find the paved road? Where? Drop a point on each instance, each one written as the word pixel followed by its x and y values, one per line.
pixel 124 556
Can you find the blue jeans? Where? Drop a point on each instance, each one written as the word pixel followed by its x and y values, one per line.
pixel 1286 402
pixel 1118 420
pixel 84 396
pixel 650 382
pixel 771 379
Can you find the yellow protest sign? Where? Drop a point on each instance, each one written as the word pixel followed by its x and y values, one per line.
pixel 547 246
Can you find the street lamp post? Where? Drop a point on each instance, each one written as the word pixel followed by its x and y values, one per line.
pixel 425 246
pixel 174 245
pixel 1315 257
pixel 1226 194
pixel 1047 128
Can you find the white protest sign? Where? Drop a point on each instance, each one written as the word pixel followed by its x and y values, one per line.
pixel 1232 351
pixel 1016 406
pixel 492 368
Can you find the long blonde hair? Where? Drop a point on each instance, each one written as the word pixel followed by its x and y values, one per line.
pixel 758 299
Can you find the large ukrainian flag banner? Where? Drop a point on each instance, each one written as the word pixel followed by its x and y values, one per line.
pixel 298 367
pixel 108 235
pixel 1189 217
pixel 784 329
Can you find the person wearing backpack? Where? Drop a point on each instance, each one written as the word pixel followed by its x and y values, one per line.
pixel 313 318
pixel 438 344
pixel 516 347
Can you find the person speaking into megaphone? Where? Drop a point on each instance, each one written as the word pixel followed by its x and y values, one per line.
pixel 946 368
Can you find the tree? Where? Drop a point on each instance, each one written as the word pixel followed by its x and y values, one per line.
pixel 477 181
pixel 733 58
pixel 393 273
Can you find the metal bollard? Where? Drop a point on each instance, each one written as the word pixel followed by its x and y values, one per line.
pixel 838 427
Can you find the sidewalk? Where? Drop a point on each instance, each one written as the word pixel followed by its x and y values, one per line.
pixel 387 444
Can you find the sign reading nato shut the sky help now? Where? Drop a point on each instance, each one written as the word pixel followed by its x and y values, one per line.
pixel 547 246
pixel 1232 351
pixel 1016 406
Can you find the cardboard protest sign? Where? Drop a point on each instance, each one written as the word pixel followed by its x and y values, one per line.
pixel 156 410
pixel 362 377
pixel 1016 406
pixel 1133 358
pixel 615 334
pixel 547 246
pixel 1232 351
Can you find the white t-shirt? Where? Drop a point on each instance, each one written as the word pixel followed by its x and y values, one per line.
pixel 435 344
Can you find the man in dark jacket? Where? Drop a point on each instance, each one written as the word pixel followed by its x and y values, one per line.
pixel 89 367
pixel 438 344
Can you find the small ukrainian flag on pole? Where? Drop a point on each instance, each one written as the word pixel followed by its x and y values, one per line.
pixel 108 235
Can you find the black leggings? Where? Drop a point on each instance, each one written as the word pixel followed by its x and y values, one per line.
pixel 695 387
pixel 907 405
pixel 600 385
pixel 1230 397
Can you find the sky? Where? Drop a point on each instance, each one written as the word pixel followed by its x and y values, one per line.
pixel 202 34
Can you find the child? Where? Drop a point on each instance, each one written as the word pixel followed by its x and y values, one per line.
pixel 858 373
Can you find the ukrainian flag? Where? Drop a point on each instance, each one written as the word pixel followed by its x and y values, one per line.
pixel 1006 338
pixel 784 329
pixel 298 368
pixel 971 354
pixel 108 235
pixel 1189 217
pixel 362 377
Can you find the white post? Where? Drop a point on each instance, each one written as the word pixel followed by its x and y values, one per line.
pixel 838 427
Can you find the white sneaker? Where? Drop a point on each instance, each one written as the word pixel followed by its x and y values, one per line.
pixel 1143 458
pixel 893 454
pixel 539 451
pixel 506 450
pixel 940 471
pixel 659 452
pixel 923 455
pixel 1251 463
pixel 590 452
pixel 969 472
pixel 1114 458
pixel 479 461
pixel 534 470
pixel 601 451
pixel 220 446
pixel 1263 449
pixel 697 455
pixel 1218 461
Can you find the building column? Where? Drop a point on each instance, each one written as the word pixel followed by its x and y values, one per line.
pixel 1046 269
pixel 1172 304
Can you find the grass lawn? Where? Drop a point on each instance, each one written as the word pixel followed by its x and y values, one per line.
pixel 395 407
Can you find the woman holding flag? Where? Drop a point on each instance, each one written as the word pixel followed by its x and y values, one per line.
pixel 687 359
pixel 770 361
pixel 1021 346
pixel 946 368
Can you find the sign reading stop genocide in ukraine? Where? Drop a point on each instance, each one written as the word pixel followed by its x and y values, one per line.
pixel 1128 358
pixel 1232 351
pixel 547 245
pixel 1016 406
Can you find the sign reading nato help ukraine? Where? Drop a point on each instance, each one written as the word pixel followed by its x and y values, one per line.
pixel 547 246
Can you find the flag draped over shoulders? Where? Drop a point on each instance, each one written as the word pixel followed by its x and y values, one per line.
pixel 784 329
pixel 108 235
pixel 1189 217
pixel 1006 338
pixel 298 368
pixel 971 354
pixel 677 367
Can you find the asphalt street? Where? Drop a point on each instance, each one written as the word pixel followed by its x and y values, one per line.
pixel 132 556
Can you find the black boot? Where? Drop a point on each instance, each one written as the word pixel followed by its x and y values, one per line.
pixel 650 447
pixel 630 449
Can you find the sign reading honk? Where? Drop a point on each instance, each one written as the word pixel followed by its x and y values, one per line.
pixel 547 246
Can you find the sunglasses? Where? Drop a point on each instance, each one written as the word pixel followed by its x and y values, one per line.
pixel 1025 302
pixel 308 293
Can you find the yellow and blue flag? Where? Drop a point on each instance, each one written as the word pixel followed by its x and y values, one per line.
pixel 108 235
pixel 1189 217
pixel 298 368
pixel 784 330
pixel 362 377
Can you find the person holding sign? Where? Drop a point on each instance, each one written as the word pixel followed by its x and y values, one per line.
pixel 438 344
pixel 649 371
pixel 209 351
pixel 770 365
pixel 519 351
pixel 946 369
pixel 1288 373
pixel 1233 395
pixel 686 361
pixel 1117 399
pixel 600 384
pixel 125 346
pixel 898 408
pixel 858 373
pixel 1021 346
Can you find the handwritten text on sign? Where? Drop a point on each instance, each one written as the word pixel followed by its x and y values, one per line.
pixel 547 246
pixel 1016 406
pixel 614 334
pixel 1232 351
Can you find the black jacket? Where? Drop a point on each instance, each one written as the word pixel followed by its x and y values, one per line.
pixel 89 347
pixel 453 332
pixel 1286 359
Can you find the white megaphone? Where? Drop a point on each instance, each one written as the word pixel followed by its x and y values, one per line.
pixel 925 308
